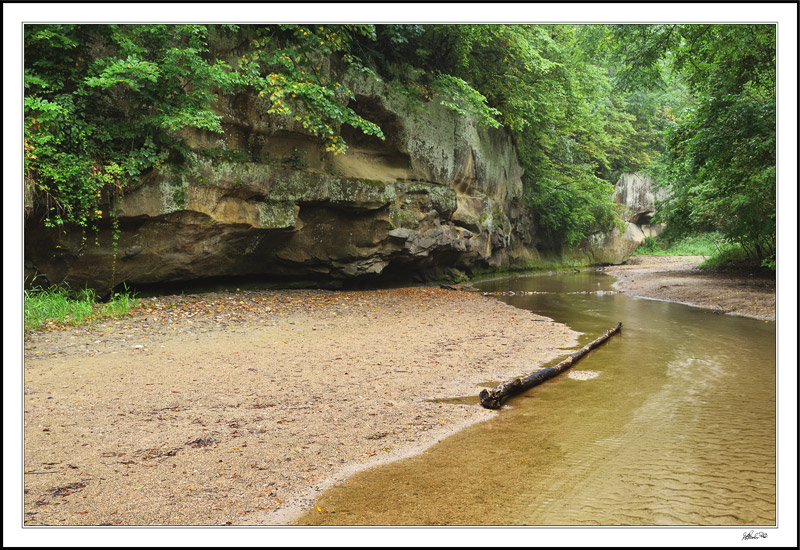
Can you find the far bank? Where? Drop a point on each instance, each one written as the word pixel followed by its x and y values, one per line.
pixel 678 279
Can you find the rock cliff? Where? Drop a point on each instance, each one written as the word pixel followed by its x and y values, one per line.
pixel 438 197
pixel 636 192
pixel 637 195
pixel 264 199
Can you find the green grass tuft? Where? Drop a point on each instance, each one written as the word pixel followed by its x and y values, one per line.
pixel 733 257
pixel 59 305
pixel 721 255
pixel 704 244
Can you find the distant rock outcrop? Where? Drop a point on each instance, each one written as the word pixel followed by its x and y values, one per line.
pixel 613 247
pixel 636 192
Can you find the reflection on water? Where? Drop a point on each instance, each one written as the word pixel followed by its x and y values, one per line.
pixel 677 429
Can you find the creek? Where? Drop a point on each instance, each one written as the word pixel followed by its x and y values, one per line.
pixel 676 427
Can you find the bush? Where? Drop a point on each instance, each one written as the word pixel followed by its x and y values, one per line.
pixel 703 244
pixel 733 257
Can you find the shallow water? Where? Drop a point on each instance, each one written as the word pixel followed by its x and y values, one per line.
pixel 678 428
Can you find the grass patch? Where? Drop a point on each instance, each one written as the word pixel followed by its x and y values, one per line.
pixel 62 306
pixel 721 255
pixel 730 255
pixel 704 244
pixel 735 259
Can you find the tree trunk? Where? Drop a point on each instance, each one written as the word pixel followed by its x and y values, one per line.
pixel 493 399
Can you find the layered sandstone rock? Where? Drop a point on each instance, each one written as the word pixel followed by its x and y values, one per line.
pixel 438 194
pixel 636 192
pixel 438 197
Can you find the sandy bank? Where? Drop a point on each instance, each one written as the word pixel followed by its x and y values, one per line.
pixel 241 407
pixel 677 279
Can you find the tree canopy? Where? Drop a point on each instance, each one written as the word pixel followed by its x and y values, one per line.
pixel 105 103
pixel 695 104
pixel 719 162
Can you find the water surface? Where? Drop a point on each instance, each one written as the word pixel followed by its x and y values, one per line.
pixel 678 428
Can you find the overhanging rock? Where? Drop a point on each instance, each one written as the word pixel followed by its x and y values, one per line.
pixel 440 191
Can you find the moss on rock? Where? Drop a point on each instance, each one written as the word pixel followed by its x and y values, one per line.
pixel 277 215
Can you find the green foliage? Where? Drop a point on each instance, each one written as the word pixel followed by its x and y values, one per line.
pixel 465 100
pixel 559 107
pixel 703 244
pixel 643 53
pixel 96 121
pixel 420 61
pixel 734 257
pixel 719 158
pixel 58 305
pixel 651 112
pixel 567 126
pixel 104 104
pixel 721 170
pixel 179 197
pixel 538 82
pixel 567 212
pixel 285 67
pixel 648 96
pixel 296 158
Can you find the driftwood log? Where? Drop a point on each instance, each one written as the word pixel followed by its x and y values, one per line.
pixel 493 399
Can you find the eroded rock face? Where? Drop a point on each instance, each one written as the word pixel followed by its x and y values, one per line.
pixel 610 248
pixel 438 195
pixel 438 192
pixel 636 192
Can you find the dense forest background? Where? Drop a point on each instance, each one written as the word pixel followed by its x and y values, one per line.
pixel 693 105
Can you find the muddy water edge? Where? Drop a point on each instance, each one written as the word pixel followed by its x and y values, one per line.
pixel 672 424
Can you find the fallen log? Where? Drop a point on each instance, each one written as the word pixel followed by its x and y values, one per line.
pixel 493 399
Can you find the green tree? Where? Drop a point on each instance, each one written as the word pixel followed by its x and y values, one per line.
pixel 537 81
pixel 284 66
pixel 719 161
pixel 104 104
